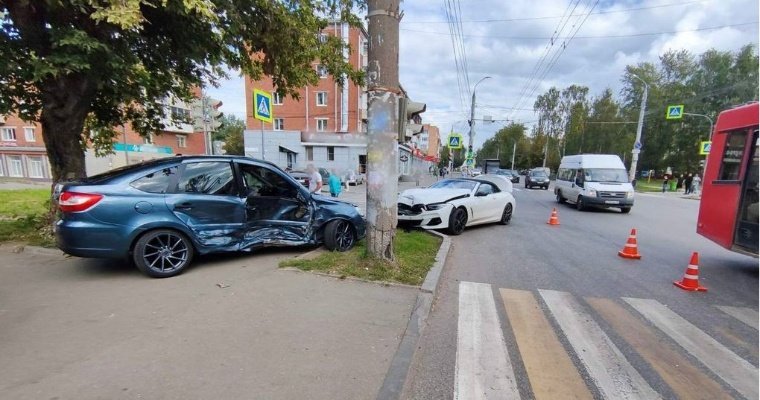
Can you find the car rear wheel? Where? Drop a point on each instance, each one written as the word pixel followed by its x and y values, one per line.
pixel 162 253
pixel 560 199
pixel 339 235
pixel 506 215
pixel 580 204
pixel 625 210
pixel 457 221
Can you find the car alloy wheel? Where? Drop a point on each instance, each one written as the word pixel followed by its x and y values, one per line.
pixel 560 199
pixel 580 205
pixel 506 215
pixel 339 235
pixel 457 221
pixel 162 253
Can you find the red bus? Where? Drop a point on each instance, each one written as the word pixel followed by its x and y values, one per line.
pixel 728 211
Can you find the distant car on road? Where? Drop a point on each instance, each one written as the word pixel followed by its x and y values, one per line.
pixel 301 176
pixel 454 204
pixel 537 177
pixel 475 171
pixel 162 213
pixel 512 175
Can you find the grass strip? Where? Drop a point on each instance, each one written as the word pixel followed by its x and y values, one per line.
pixel 23 217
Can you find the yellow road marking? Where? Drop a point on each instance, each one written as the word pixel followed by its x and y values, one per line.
pixel 686 380
pixel 551 373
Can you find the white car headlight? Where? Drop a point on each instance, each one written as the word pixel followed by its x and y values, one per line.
pixel 592 193
pixel 629 195
pixel 359 210
pixel 435 206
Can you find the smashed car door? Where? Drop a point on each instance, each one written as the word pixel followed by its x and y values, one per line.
pixel 277 212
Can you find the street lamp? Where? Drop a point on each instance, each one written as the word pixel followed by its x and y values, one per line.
pixel 637 143
pixel 472 112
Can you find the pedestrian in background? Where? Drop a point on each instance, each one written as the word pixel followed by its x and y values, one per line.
pixel 315 179
pixel 687 184
pixel 334 183
pixel 679 183
pixel 665 184
pixel 695 184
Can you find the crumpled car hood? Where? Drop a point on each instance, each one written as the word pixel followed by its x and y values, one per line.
pixel 430 195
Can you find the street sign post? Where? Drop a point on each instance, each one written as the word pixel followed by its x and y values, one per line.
pixel 262 110
pixel 674 112
pixel 455 141
pixel 704 148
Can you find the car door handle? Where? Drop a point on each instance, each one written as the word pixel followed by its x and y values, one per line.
pixel 183 206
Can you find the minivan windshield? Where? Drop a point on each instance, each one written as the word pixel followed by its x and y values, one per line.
pixel 606 175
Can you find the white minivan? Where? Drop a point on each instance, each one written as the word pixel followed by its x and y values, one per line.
pixel 594 180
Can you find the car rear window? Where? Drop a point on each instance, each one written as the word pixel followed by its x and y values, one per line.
pixel 155 182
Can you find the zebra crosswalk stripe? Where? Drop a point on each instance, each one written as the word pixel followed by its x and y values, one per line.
pixel 483 368
pixel 724 363
pixel 743 314
pixel 613 375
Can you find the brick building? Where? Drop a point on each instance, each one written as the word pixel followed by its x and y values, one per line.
pixel 23 154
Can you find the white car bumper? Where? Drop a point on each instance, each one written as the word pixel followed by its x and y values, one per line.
pixel 426 219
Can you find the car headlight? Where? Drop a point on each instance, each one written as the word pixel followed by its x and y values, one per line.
pixel 592 193
pixel 435 206
pixel 359 210
pixel 629 195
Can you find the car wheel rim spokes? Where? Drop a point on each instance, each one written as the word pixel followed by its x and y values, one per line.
pixel 165 253
pixel 343 236
pixel 507 213
pixel 459 221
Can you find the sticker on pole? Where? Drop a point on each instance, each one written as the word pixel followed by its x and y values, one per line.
pixel 704 148
pixel 674 112
pixel 262 105
pixel 455 141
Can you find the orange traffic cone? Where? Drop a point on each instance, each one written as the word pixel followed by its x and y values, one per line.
pixel 631 249
pixel 554 219
pixel 690 279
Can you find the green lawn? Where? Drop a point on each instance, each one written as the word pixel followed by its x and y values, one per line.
pixel 22 217
pixel 415 254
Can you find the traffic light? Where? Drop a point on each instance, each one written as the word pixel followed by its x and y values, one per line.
pixel 206 114
pixel 410 121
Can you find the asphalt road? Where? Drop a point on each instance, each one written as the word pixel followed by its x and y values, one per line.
pixel 530 310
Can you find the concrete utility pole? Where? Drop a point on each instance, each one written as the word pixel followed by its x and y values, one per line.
pixel 382 128
pixel 514 149
pixel 472 112
pixel 639 127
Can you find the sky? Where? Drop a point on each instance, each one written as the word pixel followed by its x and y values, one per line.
pixel 511 42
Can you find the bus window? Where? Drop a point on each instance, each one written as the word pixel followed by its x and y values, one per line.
pixel 732 156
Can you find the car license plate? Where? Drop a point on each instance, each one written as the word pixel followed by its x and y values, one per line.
pixel 611 202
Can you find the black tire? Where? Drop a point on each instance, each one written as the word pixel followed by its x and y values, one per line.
pixel 526 185
pixel 625 210
pixel 162 253
pixel 506 215
pixel 546 187
pixel 580 204
pixel 457 221
pixel 560 199
pixel 339 235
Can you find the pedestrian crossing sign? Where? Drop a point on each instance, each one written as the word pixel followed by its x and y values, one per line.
pixel 674 112
pixel 455 141
pixel 262 105
pixel 704 148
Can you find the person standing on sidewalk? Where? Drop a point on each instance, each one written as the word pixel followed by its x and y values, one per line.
pixel 334 183
pixel 695 184
pixel 679 183
pixel 315 179
pixel 665 184
pixel 687 184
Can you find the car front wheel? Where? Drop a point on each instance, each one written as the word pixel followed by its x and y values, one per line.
pixel 339 235
pixel 457 221
pixel 506 215
pixel 579 204
pixel 162 253
pixel 625 210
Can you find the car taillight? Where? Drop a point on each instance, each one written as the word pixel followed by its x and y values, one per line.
pixel 77 202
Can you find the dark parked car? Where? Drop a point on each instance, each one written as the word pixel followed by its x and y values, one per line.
pixel 162 213
pixel 537 177
pixel 300 176
pixel 512 175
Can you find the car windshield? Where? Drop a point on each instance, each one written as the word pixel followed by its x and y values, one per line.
pixel 453 184
pixel 606 175
pixel 538 174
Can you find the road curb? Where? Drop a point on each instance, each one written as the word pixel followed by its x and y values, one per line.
pixel 395 378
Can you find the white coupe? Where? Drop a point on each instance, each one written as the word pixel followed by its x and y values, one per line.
pixel 454 204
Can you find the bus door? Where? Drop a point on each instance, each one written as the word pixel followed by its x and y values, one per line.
pixel 746 234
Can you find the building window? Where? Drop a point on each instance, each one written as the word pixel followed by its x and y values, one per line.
pixel 2 173
pixel 331 154
pixel 276 99
pixel 365 47
pixel 14 166
pixel 8 134
pixel 279 124
pixel 29 135
pixel 321 71
pixel 309 153
pixel 181 141
pixel 323 37
pixel 322 98
pixel 35 167
pixel 321 124
pixel 179 114
pixel 148 139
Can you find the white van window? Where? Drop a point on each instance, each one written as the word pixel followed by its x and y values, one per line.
pixel 606 175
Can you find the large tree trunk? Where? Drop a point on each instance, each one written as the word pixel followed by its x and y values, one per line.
pixel 382 151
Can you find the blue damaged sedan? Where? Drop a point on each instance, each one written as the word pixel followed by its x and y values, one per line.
pixel 162 213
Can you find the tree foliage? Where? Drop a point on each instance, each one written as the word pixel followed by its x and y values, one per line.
pixel 90 65
pixel 231 132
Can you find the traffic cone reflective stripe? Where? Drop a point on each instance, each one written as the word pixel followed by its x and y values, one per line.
pixel 631 248
pixel 690 279
pixel 554 219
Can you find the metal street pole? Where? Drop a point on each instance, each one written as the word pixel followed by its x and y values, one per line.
pixel 709 137
pixel 639 127
pixel 514 149
pixel 124 139
pixel 472 112
pixel 383 91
